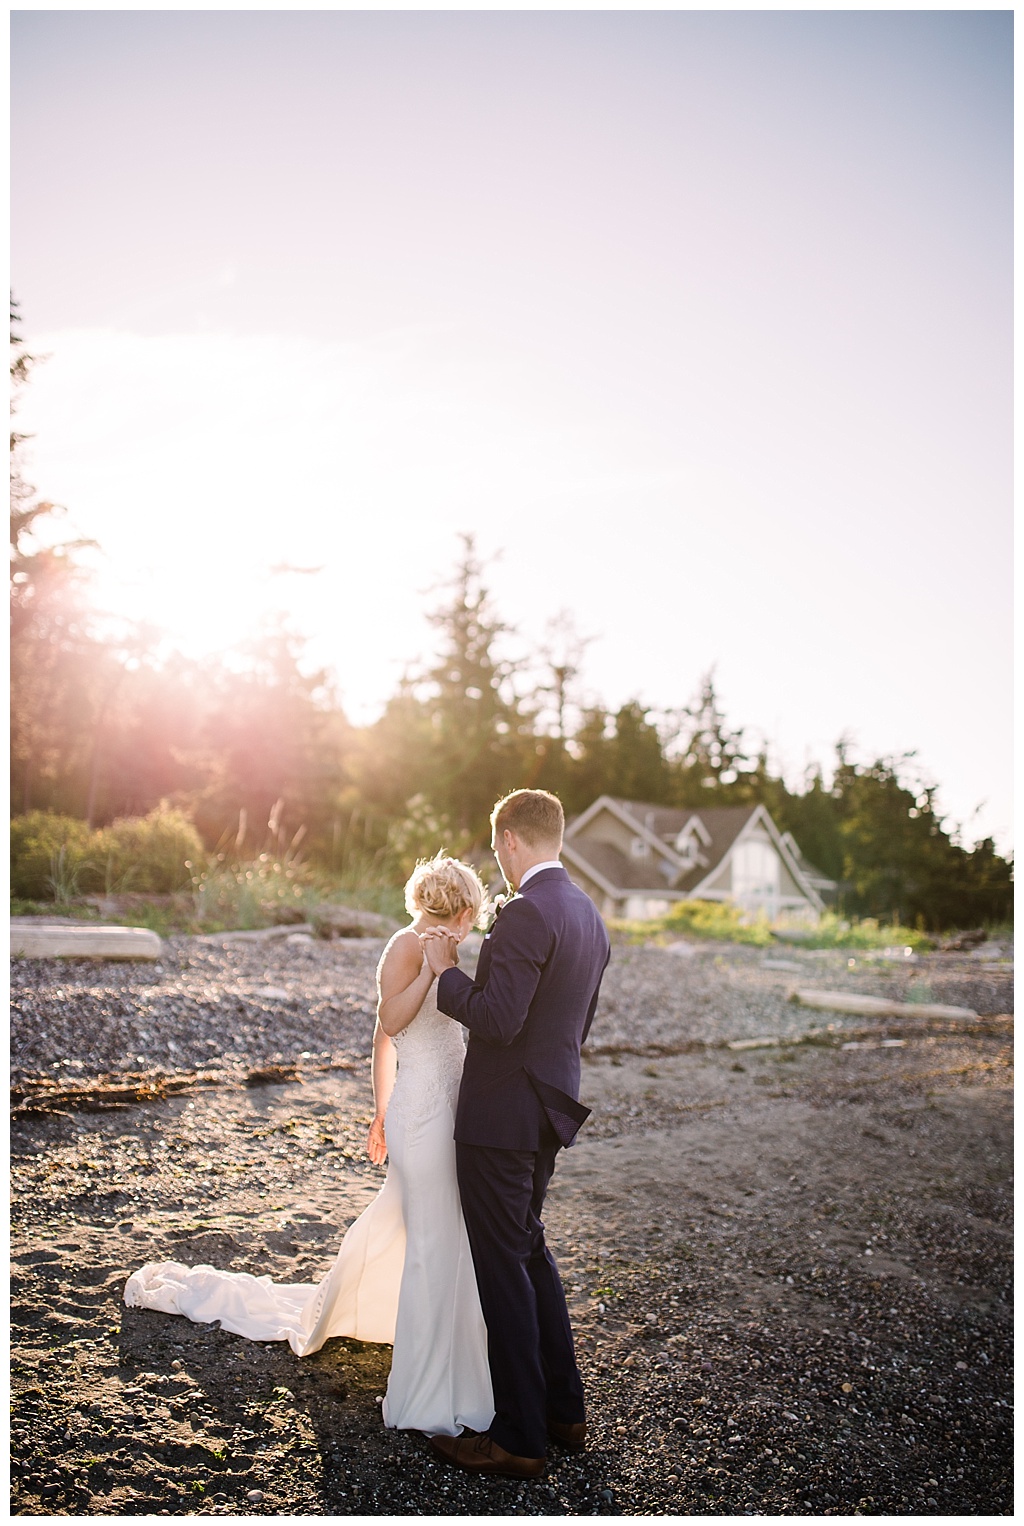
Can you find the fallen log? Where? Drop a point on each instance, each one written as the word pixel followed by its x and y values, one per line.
pixel 34 1099
pixel 59 941
pixel 878 1006
pixel 39 1098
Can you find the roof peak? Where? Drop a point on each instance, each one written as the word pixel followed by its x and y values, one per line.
pixel 682 810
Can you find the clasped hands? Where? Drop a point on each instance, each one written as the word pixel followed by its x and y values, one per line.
pixel 440 949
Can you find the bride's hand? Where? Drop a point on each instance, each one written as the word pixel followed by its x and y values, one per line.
pixel 440 949
pixel 376 1144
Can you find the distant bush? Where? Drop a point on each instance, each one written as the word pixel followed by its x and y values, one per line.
pixel 151 854
pixel 54 858
pixel 838 932
pixel 720 920
pixel 50 856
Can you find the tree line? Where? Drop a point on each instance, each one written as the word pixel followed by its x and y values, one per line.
pixel 105 725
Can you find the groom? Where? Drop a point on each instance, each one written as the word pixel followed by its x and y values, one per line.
pixel 528 1012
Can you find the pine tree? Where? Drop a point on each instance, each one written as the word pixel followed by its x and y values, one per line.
pixel 56 661
pixel 480 738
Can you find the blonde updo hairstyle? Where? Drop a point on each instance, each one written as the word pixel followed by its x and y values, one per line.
pixel 442 887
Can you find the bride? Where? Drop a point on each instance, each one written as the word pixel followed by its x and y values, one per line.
pixel 403 1274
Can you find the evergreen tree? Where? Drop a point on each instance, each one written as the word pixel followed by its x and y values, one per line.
pixel 56 662
pixel 900 862
pixel 637 765
pixel 812 816
pixel 554 701
pixel 588 768
pixel 456 736
pixel 710 764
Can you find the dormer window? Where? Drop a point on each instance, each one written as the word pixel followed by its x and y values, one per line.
pixel 686 846
pixel 691 840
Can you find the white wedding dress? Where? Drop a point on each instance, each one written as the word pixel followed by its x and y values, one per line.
pixel 404 1273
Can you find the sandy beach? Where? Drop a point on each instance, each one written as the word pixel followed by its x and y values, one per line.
pixel 788 1263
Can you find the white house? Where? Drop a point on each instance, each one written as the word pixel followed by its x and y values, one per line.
pixel 637 860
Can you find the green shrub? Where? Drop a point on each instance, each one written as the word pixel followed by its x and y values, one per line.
pixel 54 858
pixel 720 920
pixel 150 855
pixel 51 856
pixel 57 858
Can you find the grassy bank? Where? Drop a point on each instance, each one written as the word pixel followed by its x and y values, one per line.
pixel 154 872
pixel 721 922
pixel 226 898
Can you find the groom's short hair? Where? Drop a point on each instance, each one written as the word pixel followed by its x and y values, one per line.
pixel 532 814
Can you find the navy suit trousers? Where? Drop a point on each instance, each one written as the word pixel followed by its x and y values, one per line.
pixel 529 1339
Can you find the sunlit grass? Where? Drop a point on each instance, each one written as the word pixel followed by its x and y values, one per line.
pixel 722 922
pixel 271 889
pixel 243 897
pixel 154 873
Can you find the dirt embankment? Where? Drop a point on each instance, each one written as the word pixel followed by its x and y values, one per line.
pixel 788 1266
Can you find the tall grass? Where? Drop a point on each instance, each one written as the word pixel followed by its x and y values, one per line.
pixel 278 886
pixel 250 894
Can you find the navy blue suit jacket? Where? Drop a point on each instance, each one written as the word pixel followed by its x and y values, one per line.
pixel 528 1012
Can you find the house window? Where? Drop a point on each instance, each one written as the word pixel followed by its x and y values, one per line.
pixel 755 878
pixel 638 848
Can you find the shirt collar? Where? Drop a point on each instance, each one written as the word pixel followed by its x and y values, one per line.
pixel 551 863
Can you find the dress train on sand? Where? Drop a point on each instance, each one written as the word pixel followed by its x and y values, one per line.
pixel 403 1274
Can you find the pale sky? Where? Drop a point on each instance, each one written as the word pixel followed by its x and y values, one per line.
pixel 701 319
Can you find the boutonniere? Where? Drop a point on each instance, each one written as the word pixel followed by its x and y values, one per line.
pixel 496 906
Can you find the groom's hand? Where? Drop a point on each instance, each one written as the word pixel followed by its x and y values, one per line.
pixel 440 950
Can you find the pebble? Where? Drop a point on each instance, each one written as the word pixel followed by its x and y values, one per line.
pixel 255 1496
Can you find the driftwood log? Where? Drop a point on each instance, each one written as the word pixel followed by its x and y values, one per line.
pixel 41 940
pixel 36 1096
pixel 878 1006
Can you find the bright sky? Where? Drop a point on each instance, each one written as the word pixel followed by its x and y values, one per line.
pixel 701 319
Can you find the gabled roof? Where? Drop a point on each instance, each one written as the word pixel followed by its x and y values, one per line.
pixel 614 871
pixel 660 825
pixel 723 823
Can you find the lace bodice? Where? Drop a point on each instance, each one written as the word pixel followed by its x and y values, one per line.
pixel 431 1051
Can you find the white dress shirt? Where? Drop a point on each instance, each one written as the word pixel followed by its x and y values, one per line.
pixel 551 863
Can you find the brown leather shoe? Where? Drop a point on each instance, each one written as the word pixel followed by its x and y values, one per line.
pixel 481 1454
pixel 570 1434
